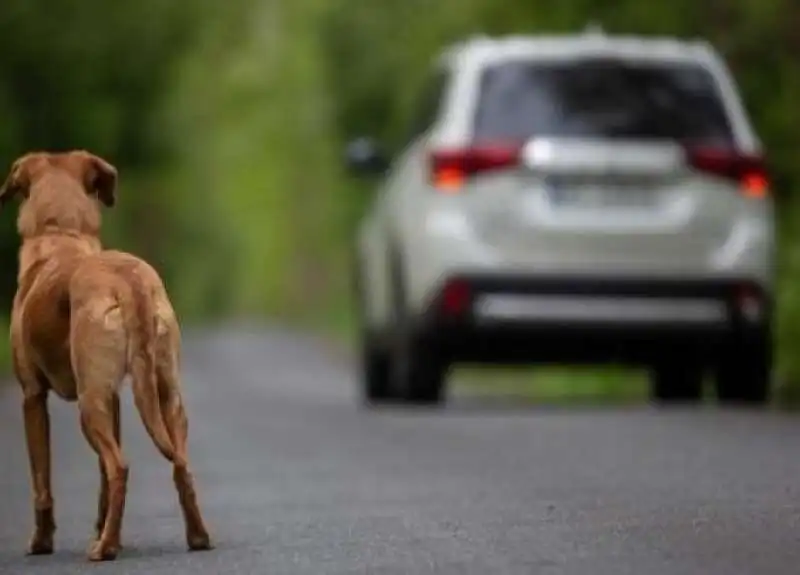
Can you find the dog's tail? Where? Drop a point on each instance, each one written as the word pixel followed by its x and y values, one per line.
pixel 143 367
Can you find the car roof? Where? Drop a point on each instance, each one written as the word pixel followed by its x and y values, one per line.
pixel 477 52
pixel 591 41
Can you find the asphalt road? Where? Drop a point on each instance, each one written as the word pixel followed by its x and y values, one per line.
pixel 295 478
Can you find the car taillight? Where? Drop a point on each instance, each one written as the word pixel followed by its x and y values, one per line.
pixel 749 171
pixel 751 303
pixel 456 295
pixel 451 168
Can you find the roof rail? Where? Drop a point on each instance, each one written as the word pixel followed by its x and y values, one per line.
pixel 476 38
pixel 701 42
pixel 594 29
pixel 464 43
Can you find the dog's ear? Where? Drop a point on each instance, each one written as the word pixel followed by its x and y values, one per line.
pixel 18 180
pixel 99 177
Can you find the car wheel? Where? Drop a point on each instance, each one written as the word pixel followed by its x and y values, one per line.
pixel 376 382
pixel 425 377
pixel 420 376
pixel 417 371
pixel 676 383
pixel 744 374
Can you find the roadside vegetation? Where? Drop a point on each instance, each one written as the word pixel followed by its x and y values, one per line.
pixel 227 123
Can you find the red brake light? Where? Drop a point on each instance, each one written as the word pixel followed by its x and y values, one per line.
pixel 749 171
pixel 451 168
pixel 456 295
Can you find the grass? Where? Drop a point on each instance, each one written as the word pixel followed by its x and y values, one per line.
pixel 554 384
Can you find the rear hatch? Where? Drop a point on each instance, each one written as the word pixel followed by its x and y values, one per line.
pixel 623 164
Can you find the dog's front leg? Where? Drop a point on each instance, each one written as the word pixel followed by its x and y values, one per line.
pixel 37 433
pixel 37 436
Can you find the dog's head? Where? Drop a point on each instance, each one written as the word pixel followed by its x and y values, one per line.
pixel 30 173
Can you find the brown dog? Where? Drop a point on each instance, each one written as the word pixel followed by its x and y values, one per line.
pixel 82 319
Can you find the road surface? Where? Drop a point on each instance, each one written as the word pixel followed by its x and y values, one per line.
pixel 295 478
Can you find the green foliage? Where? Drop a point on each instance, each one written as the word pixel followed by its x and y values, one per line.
pixel 76 74
pixel 227 121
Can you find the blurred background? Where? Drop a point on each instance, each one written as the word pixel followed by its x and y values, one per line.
pixel 227 122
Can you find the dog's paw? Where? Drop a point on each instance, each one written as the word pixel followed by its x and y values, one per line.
pixel 100 551
pixel 98 534
pixel 199 542
pixel 119 546
pixel 40 545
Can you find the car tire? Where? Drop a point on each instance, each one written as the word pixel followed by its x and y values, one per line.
pixel 375 377
pixel 420 376
pixel 417 371
pixel 676 383
pixel 744 373
pixel 375 374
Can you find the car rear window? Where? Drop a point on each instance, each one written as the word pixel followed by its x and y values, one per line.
pixel 608 98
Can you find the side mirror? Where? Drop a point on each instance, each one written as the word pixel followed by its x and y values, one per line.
pixel 363 156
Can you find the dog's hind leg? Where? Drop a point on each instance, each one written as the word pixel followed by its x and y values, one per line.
pixel 97 423
pixel 37 435
pixel 98 361
pixel 177 424
pixel 102 500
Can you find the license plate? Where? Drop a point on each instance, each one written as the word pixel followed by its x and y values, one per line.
pixel 599 197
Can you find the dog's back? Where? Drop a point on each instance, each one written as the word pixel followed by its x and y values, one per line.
pixel 123 323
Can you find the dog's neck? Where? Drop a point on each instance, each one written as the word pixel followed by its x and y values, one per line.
pixel 33 224
pixel 57 220
pixel 37 250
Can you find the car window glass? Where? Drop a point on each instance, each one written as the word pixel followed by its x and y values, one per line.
pixel 609 98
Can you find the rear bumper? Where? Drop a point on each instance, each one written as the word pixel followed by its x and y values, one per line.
pixel 576 320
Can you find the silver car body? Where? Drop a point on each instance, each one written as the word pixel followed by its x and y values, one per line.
pixel 626 208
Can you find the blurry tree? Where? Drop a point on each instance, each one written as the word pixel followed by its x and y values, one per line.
pixel 227 120
pixel 86 74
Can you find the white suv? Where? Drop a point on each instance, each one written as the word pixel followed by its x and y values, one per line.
pixel 562 199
